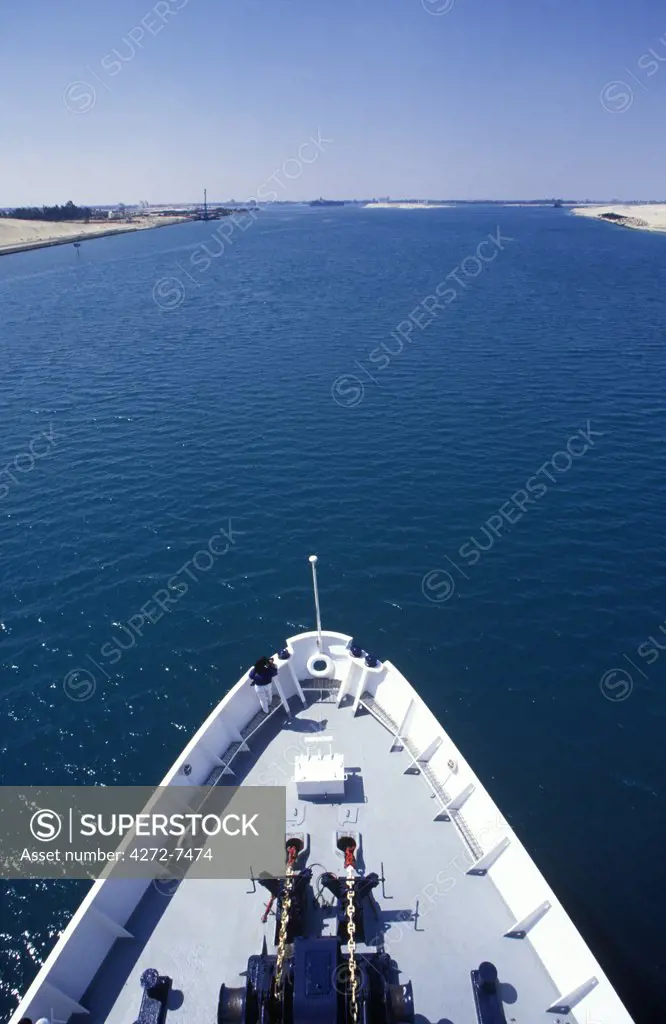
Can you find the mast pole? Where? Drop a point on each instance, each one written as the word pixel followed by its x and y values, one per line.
pixel 313 563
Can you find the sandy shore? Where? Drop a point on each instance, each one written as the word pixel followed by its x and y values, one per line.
pixel 19 235
pixel 643 217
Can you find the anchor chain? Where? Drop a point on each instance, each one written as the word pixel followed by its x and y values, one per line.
pixel 351 945
pixel 285 908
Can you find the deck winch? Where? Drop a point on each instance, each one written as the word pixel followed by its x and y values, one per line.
pixel 315 988
pixel 312 979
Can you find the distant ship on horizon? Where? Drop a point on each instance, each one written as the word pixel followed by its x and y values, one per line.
pixel 328 202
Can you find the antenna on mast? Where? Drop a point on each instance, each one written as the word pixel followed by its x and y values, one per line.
pixel 313 563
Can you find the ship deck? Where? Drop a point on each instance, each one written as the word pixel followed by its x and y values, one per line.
pixel 437 922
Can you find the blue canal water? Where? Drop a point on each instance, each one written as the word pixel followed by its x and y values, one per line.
pixel 485 495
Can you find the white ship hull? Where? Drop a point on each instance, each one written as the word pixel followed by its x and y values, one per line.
pixel 467 889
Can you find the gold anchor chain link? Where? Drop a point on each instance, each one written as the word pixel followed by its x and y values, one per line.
pixel 351 945
pixel 284 922
pixel 351 940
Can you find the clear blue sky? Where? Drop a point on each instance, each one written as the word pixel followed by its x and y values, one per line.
pixel 495 98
